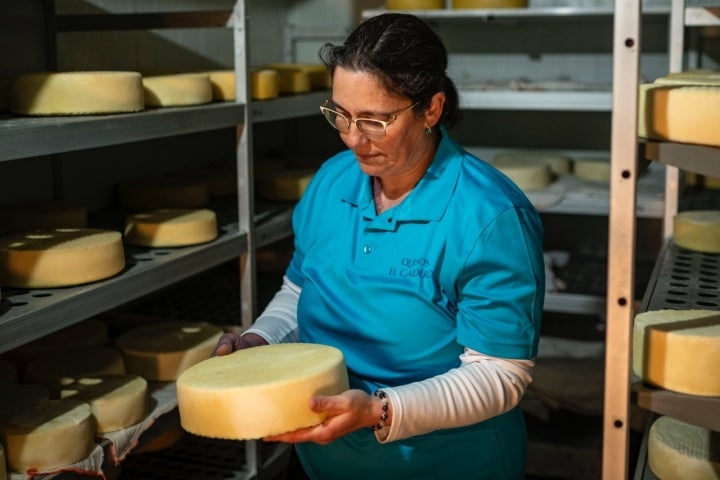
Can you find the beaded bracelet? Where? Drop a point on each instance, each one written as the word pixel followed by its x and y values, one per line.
pixel 383 416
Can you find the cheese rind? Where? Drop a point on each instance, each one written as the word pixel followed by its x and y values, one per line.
pixel 681 451
pixel 171 228
pixel 259 391
pixel 697 230
pixel 162 351
pixel 678 350
pixel 317 72
pixel 222 84
pixel 265 84
pixel 177 90
pixel 76 93
pixel 60 257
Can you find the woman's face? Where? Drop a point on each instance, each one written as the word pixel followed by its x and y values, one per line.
pixel 404 149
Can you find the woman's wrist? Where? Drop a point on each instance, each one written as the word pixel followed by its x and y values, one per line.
pixel 249 340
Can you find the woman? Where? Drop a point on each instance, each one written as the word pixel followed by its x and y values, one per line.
pixel 422 263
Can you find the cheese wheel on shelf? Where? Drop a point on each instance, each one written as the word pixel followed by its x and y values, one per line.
pixel 48 435
pixel 526 174
pixel 41 215
pixel 222 84
pixel 76 93
pixel 697 230
pixel 48 370
pixel 293 80
pixel 592 169
pixel 284 185
pixel 317 72
pixel 559 164
pixel 117 401
pixel 60 257
pixel 171 227
pixel 680 113
pixel 162 351
pixel 414 4
pixel 678 450
pixel 152 193
pixel 678 350
pixel 265 84
pixel 490 3
pixel 177 90
pixel 259 391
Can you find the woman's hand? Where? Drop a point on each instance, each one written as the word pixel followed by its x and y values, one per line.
pixel 229 342
pixel 347 412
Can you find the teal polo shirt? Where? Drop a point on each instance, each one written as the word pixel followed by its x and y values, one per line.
pixel 458 263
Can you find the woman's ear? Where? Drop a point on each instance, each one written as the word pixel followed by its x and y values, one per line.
pixel 435 109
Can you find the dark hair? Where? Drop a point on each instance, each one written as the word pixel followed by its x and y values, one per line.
pixel 404 53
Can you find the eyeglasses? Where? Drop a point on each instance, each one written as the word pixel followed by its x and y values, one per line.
pixel 371 128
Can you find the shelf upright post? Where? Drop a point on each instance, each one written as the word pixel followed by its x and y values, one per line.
pixel 621 242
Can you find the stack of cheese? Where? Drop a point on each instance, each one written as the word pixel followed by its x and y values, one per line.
pixel 681 107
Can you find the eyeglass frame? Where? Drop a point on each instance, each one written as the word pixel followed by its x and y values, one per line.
pixel 350 121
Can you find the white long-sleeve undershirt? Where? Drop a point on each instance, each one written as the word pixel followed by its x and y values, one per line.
pixel 480 388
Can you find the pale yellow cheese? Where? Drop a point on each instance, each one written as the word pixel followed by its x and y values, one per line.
pixel 592 169
pixel 678 450
pixel 265 84
pixel 41 215
pixel 414 4
pixel 150 193
pixel 527 174
pixel 284 185
pixel 559 164
pixel 317 72
pixel 162 351
pixel 76 93
pixel 697 230
pixel 177 90
pixel 691 77
pixel 48 435
pixel 222 84
pixel 678 350
pixel 8 372
pixel 171 227
pixel 490 3
pixel 60 257
pixel 680 113
pixel 117 401
pixel 293 80
pixel 260 391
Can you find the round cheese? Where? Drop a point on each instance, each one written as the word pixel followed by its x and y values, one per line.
pixel 38 216
pixel 48 435
pixel 265 84
pixel 678 350
pixel 284 185
pixel 527 174
pixel 317 72
pixel 490 3
pixel 8 372
pixel 222 84
pixel 259 391
pixel 414 4
pixel 162 351
pixel 117 401
pixel 592 169
pixel 557 163
pixel 681 451
pixel 171 227
pixel 60 257
pixel 76 93
pixel 152 193
pixel 50 369
pixel 293 80
pixel 697 230
pixel 177 90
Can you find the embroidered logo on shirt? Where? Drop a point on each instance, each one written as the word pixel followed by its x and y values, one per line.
pixel 412 268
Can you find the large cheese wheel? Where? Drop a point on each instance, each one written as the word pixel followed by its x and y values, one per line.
pixel 48 435
pixel 697 230
pixel 60 257
pixel 162 351
pixel 490 3
pixel 42 215
pixel 171 227
pixel 559 164
pixel 592 169
pixel 527 174
pixel 681 451
pixel 222 84
pixel 117 401
pixel 678 350
pixel 76 93
pixel 414 4
pixel 177 90
pixel 317 72
pixel 265 84
pixel 680 113
pixel 284 185
pixel 260 391
pixel 151 193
